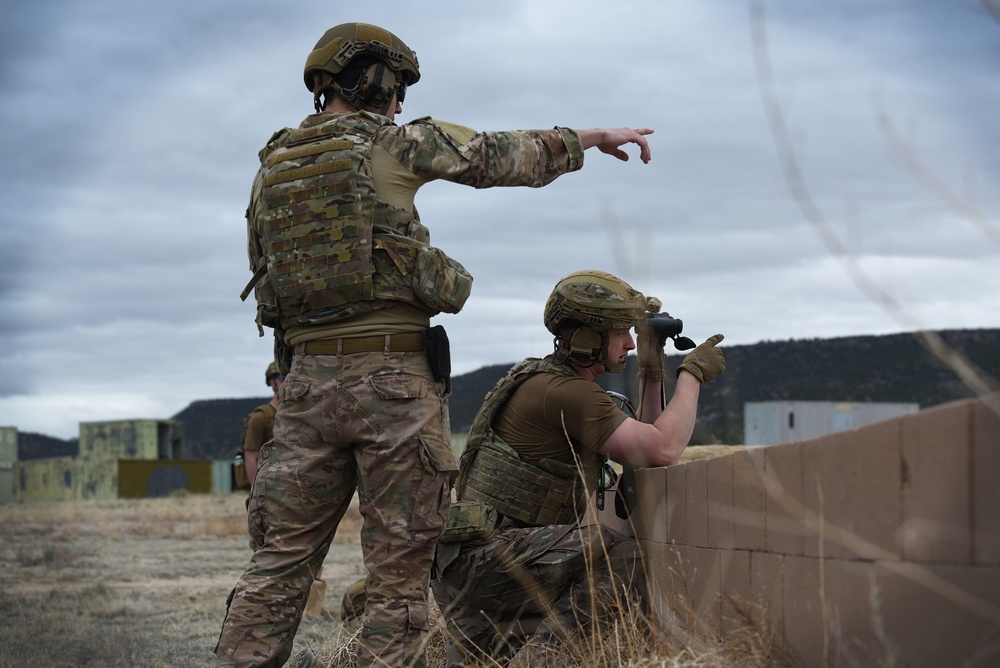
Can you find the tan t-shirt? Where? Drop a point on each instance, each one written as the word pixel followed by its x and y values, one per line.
pixel 259 427
pixel 549 407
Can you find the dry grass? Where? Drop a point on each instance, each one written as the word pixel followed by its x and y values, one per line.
pixel 699 452
pixel 634 640
pixel 134 583
pixel 143 583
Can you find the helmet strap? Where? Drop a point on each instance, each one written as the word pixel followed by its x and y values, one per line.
pixel 322 97
pixel 609 366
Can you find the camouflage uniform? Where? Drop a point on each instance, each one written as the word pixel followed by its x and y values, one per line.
pixel 529 579
pixel 538 582
pixel 377 420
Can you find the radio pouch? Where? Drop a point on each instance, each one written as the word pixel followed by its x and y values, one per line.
pixel 439 353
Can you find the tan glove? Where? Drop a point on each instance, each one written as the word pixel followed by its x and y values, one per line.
pixel 649 345
pixel 705 362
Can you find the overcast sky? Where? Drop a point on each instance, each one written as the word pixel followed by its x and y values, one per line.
pixel 131 132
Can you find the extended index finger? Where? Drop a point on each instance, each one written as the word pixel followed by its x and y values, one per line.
pixel 645 154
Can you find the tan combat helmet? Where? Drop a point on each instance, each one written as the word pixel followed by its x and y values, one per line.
pixel 272 371
pixel 584 306
pixel 362 62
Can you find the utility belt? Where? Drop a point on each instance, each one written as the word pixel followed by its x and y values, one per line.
pixel 408 342
pixel 433 341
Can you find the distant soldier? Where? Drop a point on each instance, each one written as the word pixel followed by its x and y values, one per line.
pixel 515 548
pixel 344 272
pixel 258 428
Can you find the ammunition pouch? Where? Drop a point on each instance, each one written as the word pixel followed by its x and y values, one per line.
pixel 283 352
pixel 241 479
pixel 440 282
pixel 469 520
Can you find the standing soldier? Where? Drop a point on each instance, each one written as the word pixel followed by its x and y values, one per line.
pixel 345 274
pixel 258 428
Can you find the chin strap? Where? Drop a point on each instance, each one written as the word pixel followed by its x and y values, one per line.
pixel 613 367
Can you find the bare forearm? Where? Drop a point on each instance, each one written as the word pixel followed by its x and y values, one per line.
pixel 250 461
pixel 650 400
pixel 661 442
pixel 676 422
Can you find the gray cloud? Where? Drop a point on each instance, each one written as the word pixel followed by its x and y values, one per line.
pixel 132 133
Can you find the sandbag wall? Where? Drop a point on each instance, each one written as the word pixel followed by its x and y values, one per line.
pixel 875 546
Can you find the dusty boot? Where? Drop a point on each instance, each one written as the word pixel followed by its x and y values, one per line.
pixel 304 658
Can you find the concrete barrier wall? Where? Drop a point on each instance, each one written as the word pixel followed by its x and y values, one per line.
pixel 875 546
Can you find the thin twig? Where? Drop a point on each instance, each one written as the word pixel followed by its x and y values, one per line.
pixel 978 382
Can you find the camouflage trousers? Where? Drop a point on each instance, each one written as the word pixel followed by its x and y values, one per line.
pixel 525 587
pixel 373 422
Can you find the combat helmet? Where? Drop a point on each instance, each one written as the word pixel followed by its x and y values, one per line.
pixel 362 62
pixel 584 306
pixel 272 371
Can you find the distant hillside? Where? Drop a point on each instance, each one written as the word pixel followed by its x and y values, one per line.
pixel 213 427
pixel 468 392
pixel 890 368
pixel 893 368
pixel 39 446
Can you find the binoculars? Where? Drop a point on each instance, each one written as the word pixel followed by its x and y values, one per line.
pixel 670 328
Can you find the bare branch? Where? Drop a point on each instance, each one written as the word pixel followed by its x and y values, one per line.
pixel 930 179
pixel 974 378
pixel 993 7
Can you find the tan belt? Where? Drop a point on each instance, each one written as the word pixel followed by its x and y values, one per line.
pixel 410 342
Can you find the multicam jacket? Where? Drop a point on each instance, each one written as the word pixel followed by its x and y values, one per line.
pixel 323 243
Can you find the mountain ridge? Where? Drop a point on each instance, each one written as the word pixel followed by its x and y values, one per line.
pixel 870 368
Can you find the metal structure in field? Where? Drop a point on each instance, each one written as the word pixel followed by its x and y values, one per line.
pixel 117 459
pixel 777 422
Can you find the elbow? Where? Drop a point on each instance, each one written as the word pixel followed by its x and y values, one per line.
pixel 664 457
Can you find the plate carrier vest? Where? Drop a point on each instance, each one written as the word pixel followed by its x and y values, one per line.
pixel 543 493
pixel 333 249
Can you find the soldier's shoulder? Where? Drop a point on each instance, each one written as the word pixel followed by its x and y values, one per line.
pixel 459 134
pixel 263 409
pixel 273 142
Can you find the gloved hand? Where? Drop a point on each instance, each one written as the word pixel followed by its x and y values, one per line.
pixel 705 362
pixel 649 345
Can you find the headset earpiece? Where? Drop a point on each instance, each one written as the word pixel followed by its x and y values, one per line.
pixel 585 344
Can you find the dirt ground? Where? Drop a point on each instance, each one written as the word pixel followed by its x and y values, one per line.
pixel 143 583
pixel 136 582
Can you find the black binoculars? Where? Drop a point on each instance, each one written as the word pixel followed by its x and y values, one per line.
pixel 670 328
